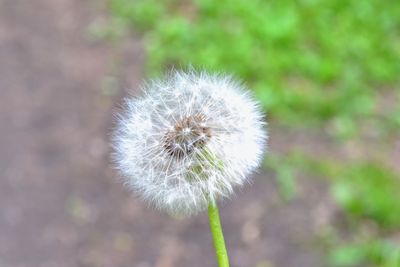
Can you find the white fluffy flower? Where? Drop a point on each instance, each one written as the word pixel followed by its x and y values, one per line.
pixel 189 140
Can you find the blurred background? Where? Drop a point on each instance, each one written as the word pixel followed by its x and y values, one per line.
pixel 326 72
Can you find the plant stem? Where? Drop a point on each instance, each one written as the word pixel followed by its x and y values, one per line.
pixel 218 236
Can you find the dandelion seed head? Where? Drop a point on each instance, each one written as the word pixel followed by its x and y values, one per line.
pixel 190 139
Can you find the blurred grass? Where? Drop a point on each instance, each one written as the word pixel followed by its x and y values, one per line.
pixel 309 62
pixel 331 65
pixel 367 192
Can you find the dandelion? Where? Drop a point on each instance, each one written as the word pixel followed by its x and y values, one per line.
pixel 189 141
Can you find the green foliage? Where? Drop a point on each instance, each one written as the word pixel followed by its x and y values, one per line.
pixel 349 255
pixel 308 61
pixel 380 253
pixel 370 191
pixel 366 191
pixel 369 195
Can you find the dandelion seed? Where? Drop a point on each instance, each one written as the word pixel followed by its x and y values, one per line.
pixel 189 140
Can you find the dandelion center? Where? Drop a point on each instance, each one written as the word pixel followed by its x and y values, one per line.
pixel 187 134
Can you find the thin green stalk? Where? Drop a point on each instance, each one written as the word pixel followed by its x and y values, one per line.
pixel 218 236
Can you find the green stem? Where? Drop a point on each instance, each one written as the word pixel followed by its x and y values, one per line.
pixel 218 236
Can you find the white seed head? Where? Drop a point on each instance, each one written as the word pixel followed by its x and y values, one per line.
pixel 189 140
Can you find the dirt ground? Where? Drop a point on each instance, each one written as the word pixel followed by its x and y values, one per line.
pixel 61 203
